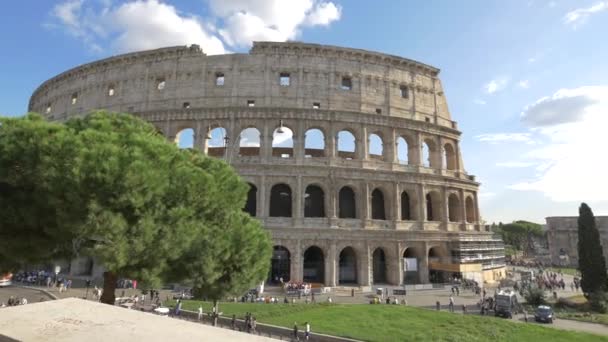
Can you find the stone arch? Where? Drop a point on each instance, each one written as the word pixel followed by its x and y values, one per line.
pixel 346 145
pixel 407 212
pixel 280 265
pixel 449 156
pixel 454 208
pixel 403 151
pixel 347 266
pixel 347 205
pixel 249 142
pixel 379 266
pixel 314 143
pixel 217 140
pixel 314 201
pixel 376 146
pixel 282 142
pixel 314 265
pixel 378 205
pixel 470 209
pixel 280 201
pixel 429 151
pixel 411 258
pixel 185 138
pixel 433 206
pixel 436 257
pixel 252 200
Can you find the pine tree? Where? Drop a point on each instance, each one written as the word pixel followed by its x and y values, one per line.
pixel 590 254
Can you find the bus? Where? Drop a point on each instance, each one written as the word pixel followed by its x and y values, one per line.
pixel 5 279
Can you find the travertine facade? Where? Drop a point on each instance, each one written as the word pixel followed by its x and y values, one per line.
pixel 562 234
pixel 337 215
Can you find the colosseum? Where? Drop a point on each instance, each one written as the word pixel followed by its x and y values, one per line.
pixel 352 156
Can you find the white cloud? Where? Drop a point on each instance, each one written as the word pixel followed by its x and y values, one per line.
pixel 479 101
pixel 496 85
pixel 580 15
pixel 515 164
pixel 572 162
pixel 495 138
pixel 147 24
pixel 525 84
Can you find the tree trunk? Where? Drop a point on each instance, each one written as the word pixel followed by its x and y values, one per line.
pixel 216 312
pixel 109 287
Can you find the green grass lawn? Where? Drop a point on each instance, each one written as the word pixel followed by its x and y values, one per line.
pixel 580 311
pixel 394 322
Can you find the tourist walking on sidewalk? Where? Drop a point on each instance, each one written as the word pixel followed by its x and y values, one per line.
pixel 295 331
pixel 307 331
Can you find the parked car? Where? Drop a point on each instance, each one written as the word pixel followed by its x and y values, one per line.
pixel 544 313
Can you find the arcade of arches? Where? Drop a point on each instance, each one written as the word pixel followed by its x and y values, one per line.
pixel 357 265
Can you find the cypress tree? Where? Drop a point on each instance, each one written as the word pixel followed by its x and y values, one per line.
pixel 591 260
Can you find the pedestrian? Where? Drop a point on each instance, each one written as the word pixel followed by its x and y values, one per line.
pixel 233 322
pixel 178 307
pixel 352 292
pixel 464 309
pixel 525 316
pixel 312 297
pixel 451 304
pixel 457 291
pixel 438 306
pixel 295 331
pixel 307 331
pixel 200 312
pixel 254 324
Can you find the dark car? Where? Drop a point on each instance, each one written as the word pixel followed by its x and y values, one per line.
pixel 544 314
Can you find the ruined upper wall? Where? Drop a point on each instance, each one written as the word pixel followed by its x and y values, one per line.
pixel 380 84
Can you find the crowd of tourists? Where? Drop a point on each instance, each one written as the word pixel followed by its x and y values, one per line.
pixel 297 288
pixel 15 301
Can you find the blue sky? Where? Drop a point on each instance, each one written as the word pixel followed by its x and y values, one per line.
pixel 526 80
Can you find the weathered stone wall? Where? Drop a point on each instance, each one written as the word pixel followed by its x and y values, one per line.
pixel 562 235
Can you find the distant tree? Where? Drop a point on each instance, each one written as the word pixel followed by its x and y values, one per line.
pixel 519 234
pixel 591 260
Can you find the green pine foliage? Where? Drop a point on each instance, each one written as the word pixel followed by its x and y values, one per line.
pixel 591 260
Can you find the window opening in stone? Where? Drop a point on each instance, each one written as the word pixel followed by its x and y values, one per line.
pixel 378 210
pixel 427 119
pixel 347 83
pixel 186 105
pixel 280 201
pixel 250 103
pixel 379 266
pixel 316 105
pixel 436 276
pixel 405 207
pixel 251 204
pixel 74 98
pixel 348 266
pixel 219 79
pixel 280 266
pixel 402 151
pixel 404 92
pixel 453 208
pixel 314 143
pixel 470 209
pixel 314 265
pixel 314 202
pixel 284 79
pixel 347 205
pixel 449 157
pixel 249 142
pixel 375 146
pixel 282 142
pixel 378 111
pixel 433 206
pixel 427 148
pixel 185 138
pixel 160 84
pixel 217 142
pixel 411 262
pixel 48 109
pixel 111 91
pixel 346 145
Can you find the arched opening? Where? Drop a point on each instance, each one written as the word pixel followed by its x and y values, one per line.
pixel 449 157
pixel 282 142
pixel 348 266
pixel 314 202
pixel 314 265
pixel 433 206
pixel 249 142
pixel 378 212
pixel 348 208
pixel 453 208
pixel 428 153
pixel 280 265
pixel 470 209
pixel 411 266
pixel 436 275
pixel 402 151
pixel 379 266
pixel 406 213
pixel 251 204
pixel 346 145
pixel 216 145
pixel 185 138
pixel 376 148
pixel 280 201
pixel 314 143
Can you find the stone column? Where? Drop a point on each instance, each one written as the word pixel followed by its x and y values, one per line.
pixel 297 263
pixel 261 200
pixel 424 266
pixel 415 157
pixel 365 273
pixel 399 264
pixel 299 138
pixel 297 209
pixel 362 144
pixel 421 205
pixel 444 208
pixel 397 202
pixel 365 205
pixel 391 147
pixel 476 208
pixel 330 147
pixel 331 270
pixel 463 207
pixel 266 142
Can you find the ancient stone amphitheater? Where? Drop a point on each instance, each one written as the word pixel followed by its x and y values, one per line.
pixel 352 156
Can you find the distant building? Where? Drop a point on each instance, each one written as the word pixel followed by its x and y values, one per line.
pixel 562 235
